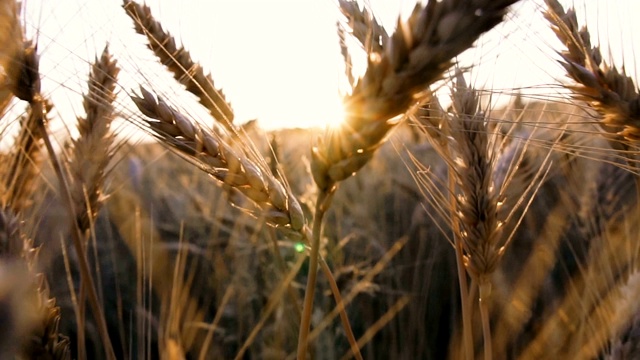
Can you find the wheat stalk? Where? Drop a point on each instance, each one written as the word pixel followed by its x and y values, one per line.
pixel 615 97
pixel 179 62
pixel 594 300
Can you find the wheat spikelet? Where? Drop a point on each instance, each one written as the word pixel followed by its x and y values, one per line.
pixel 221 161
pixel 415 56
pixel 178 61
pixel 611 92
pixel 92 150
pixel 463 139
pixel 364 27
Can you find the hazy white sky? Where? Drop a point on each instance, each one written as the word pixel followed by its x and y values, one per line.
pixel 278 60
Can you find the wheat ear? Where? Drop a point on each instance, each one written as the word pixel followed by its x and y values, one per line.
pixel 464 141
pixel 24 162
pixel 93 148
pixel 609 91
pixel 478 196
pixel 36 332
pixel 179 62
pixel 476 211
pixel 221 161
pixel 416 55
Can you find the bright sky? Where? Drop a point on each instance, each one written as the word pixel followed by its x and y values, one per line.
pixel 279 60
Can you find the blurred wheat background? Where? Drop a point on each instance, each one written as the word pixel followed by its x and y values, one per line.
pixel 477 197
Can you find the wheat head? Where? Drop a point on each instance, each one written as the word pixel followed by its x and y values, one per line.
pixel 416 55
pixel 179 62
pixel 221 161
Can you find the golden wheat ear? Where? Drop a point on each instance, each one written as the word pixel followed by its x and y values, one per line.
pixel 32 314
pixel 26 152
pixel 179 62
pixel 206 149
pixel 609 91
pixel 93 149
pixel 417 54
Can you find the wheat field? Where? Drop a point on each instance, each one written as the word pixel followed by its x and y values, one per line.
pixel 442 218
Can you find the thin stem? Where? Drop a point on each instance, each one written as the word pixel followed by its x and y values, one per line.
pixel 305 322
pixel 467 334
pixel 485 293
pixel 283 268
pixel 81 321
pixel 208 340
pixel 341 308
